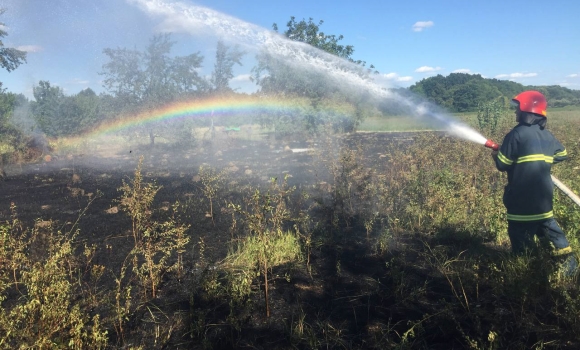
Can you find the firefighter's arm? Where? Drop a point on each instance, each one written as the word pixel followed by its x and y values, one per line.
pixel 504 158
pixel 560 153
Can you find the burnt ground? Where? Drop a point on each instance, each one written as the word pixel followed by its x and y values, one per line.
pixel 349 296
pixel 61 188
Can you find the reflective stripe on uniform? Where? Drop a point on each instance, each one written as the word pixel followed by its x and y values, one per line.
pixel 535 158
pixel 533 217
pixel 562 251
pixel 504 159
pixel 561 154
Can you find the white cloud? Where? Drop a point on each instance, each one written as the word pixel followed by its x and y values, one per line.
pixel 78 81
pixel 427 69
pixel 573 75
pixel 3 27
pixel 523 75
pixel 30 48
pixel 242 77
pixel 421 25
pixel 396 77
pixel 242 83
pixel 516 75
pixel 462 70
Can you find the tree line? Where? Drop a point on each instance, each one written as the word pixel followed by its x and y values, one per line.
pixel 462 92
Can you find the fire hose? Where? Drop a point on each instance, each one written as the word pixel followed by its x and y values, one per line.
pixel 568 192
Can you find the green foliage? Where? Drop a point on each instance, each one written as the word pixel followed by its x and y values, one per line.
pixel 41 267
pixel 161 241
pixel 559 96
pixel 123 74
pixel 253 253
pixel 155 242
pixel 10 58
pixel 82 111
pixel 152 77
pixel 439 183
pixel 494 118
pixel 136 199
pixel 12 140
pixel 313 117
pixel 226 57
pixel 46 107
pixel 7 104
pixel 58 115
pixel 267 245
pixel 461 92
pixel 211 182
pixel 566 127
pixel 281 77
pixel 158 250
pixel 143 81
pixel 309 32
pixel 354 187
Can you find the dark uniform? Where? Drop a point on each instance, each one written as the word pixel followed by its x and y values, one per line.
pixel 527 154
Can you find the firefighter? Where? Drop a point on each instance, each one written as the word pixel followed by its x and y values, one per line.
pixel 527 154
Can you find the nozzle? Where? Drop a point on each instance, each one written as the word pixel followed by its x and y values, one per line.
pixel 490 144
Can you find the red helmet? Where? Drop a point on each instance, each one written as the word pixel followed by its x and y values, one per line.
pixel 532 101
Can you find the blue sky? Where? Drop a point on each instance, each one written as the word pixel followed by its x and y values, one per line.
pixel 533 43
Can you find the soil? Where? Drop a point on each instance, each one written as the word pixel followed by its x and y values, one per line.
pixel 59 187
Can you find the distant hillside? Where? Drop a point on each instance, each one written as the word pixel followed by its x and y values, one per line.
pixel 463 92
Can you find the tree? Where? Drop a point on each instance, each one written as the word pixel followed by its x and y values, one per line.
pixel 141 81
pixel 309 32
pixel 282 76
pixel 7 101
pixel 435 90
pixel 185 76
pixel 10 58
pixel 468 96
pixel 80 112
pixel 226 57
pixel 464 92
pixel 274 75
pixel 124 77
pixel 152 77
pixel 158 85
pixel 46 107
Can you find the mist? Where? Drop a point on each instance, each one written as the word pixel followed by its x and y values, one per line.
pixel 201 21
pixel 195 28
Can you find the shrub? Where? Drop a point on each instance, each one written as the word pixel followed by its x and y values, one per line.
pixel 41 267
pixel 267 244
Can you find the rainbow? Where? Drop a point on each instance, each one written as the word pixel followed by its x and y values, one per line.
pixel 206 108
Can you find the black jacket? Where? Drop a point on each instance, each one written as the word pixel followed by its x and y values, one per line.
pixel 527 154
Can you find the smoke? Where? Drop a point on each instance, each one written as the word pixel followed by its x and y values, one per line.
pixel 22 119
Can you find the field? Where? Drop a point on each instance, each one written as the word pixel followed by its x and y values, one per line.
pixel 368 240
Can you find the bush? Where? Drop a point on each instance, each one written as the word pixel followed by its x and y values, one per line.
pixel 41 266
